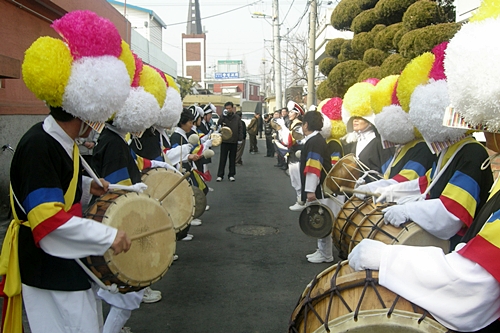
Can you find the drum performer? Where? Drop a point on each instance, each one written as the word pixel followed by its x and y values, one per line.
pixel 460 289
pixel 412 157
pixel 181 137
pixel 295 113
pixel 457 186
pixel 48 230
pixel 363 139
pixel 314 165
pixel 117 163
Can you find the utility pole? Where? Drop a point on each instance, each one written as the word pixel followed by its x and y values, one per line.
pixel 277 56
pixel 311 75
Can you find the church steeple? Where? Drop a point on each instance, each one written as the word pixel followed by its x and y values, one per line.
pixel 194 19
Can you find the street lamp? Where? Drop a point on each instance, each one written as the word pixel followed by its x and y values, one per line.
pixel 276 51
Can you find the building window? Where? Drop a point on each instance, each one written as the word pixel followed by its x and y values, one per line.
pixel 2 83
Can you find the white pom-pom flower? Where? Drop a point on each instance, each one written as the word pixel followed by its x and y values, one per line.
pixel 427 106
pixel 141 110
pixel 394 125
pixel 171 110
pixel 97 87
pixel 326 130
pixel 473 71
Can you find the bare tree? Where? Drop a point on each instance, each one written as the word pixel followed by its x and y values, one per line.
pixel 295 63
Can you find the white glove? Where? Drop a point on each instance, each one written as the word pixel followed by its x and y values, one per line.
pixel 139 187
pixel 396 215
pixel 364 188
pixel 208 143
pixel 165 165
pixel 397 191
pixel 367 255
pixel 374 186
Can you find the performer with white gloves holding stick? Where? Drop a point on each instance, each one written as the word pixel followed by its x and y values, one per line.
pixel 460 289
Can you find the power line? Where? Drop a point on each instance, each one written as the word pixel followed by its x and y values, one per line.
pixel 219 14
pixel 288 11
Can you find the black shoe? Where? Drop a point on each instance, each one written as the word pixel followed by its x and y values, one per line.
pixel 284 167
pixel 278 165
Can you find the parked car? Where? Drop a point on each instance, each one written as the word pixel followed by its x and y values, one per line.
pixel 247 117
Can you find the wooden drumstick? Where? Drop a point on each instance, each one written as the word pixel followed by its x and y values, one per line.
pixel 352 191
pixel 151 232
pixel 187 174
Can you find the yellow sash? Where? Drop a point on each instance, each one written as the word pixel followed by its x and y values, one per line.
pixel 9 260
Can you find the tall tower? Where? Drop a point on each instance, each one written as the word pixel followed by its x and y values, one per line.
pixel 194 19
pixel 194 46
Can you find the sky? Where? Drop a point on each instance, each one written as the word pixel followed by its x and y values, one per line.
pixel 232 33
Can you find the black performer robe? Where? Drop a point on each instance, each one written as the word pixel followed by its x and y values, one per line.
pixel 113 160
pixel 314 158
pixel 40 173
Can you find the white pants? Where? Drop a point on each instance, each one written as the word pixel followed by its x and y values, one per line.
pixel 121 308
pixel 325 245
pixel 294 170
pixel 62 311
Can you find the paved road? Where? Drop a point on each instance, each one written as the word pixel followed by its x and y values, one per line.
pixel 245 269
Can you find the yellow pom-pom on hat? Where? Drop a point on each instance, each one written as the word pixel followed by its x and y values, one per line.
pixel 357 104
pixel 153 84
pixel 171 83
pixel 381 96
pixel 128 59
pixel 46 69
pixel 413 75
pixel 488 9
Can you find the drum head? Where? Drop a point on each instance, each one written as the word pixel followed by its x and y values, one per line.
pixel 344 173
pixel 340 299
pixel 180 203
pixel 316 221
pixel 200 202
pixel 149 257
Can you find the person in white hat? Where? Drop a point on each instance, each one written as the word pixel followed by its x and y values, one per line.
pixel 460 289
pixel 80 86
pixel 291 138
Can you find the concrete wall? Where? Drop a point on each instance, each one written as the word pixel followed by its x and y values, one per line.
pixel 12 128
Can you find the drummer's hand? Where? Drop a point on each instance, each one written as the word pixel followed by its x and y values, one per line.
pixel 121 243
pixel 311 196
pixel 396 215
pixel 97 190
pixel 367 255
pixel 362 188
pixel 193 157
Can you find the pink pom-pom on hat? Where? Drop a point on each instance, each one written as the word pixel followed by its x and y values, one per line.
pixel 162 75
pixel 333 109
pixel 395 99
pixel 88 35
pixel 138 69
pixel 372 81
pixel 437 70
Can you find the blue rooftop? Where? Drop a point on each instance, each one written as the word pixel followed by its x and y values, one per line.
pixel 149 11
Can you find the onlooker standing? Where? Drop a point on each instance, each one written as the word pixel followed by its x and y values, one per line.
pixel 229 146
pixel 279 152
pixel 241 145
pixel 284 115
pixel 268 132
pixel 252 130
